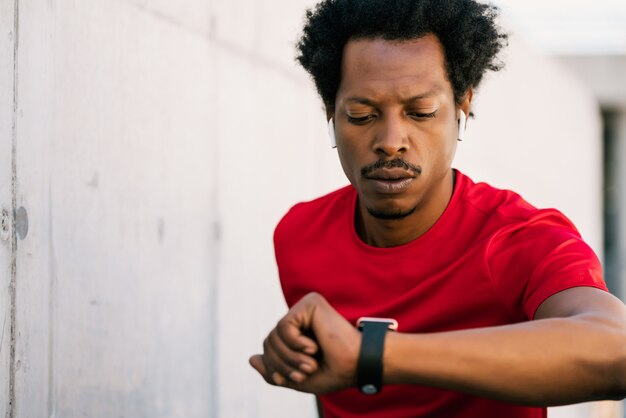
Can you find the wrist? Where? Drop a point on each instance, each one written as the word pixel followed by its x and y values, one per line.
pixel 369 372
pixel 391 368
pixel 406 361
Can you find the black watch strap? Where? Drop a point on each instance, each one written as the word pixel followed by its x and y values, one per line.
pixel 369 372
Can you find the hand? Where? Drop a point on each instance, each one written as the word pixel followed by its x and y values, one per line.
pixel 322 364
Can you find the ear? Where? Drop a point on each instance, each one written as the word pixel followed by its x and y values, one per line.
pixel 464 112
pixel 330 113
pixel 466 102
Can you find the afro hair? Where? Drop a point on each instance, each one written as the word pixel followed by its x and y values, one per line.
pixel 467 30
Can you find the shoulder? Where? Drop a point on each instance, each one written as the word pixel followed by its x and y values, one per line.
pixel 530 253
pixel 508 212
pixel 313 214
pixel 495 202
pixel 515 231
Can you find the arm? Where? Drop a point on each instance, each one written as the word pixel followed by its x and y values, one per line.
pixel 574 351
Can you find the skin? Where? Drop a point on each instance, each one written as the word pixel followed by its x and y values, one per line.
pixel 395 102
pixel 573 351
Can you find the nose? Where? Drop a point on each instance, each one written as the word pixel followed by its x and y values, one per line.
pixel 392 138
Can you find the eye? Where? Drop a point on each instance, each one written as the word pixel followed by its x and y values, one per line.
pixel 422 116
pixel 361 120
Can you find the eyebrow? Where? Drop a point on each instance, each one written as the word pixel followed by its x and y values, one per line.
pixel 369 102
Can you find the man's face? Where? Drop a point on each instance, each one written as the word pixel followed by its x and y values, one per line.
pixel 396 124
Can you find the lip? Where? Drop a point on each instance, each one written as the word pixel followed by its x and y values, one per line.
pixel 391 185
pixel 390 174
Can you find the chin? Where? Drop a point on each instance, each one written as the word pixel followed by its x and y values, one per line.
pixel 394 214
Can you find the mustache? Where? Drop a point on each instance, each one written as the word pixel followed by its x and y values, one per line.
pixel 395 163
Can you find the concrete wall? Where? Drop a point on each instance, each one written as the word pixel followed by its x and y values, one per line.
pixel 604 74
pixel 156 145
pixel 114 164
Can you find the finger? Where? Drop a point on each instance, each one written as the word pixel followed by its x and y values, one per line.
pixel 279 369
pixel 279 379
pixel 291 330
pixel 287 361
pixel 312 384
pixel 258 364
pixel 273 363
pixel 276 378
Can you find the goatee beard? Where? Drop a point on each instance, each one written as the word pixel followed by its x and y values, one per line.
pixel 390 215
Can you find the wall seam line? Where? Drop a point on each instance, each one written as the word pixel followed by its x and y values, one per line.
pixel 12 285
pixel 214 289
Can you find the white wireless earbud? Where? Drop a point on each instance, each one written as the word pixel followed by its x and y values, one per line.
pixel 331 133
pixel 462 125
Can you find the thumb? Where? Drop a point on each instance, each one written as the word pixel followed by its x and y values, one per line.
pixel 256 362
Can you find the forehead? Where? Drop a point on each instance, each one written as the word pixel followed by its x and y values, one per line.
pixel 378 67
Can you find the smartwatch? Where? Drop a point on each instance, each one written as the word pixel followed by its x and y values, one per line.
pixel 369 369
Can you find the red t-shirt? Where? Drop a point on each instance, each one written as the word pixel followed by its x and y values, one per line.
pixel 491 259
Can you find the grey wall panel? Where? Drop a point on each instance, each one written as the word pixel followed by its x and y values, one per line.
pixel 263 162
pixel 35 90
pixel 273 152
pixel 115 274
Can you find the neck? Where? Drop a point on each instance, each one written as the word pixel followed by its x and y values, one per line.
pixel 386 233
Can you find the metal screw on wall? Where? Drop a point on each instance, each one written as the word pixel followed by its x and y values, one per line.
pixel 21 222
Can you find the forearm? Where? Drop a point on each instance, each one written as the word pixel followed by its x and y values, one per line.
pixel 544 362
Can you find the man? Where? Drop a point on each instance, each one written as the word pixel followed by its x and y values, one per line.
pixel 500 308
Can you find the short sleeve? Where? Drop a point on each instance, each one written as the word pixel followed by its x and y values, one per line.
pixel 532 260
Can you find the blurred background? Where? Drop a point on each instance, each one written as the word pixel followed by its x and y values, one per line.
pixel 148 148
